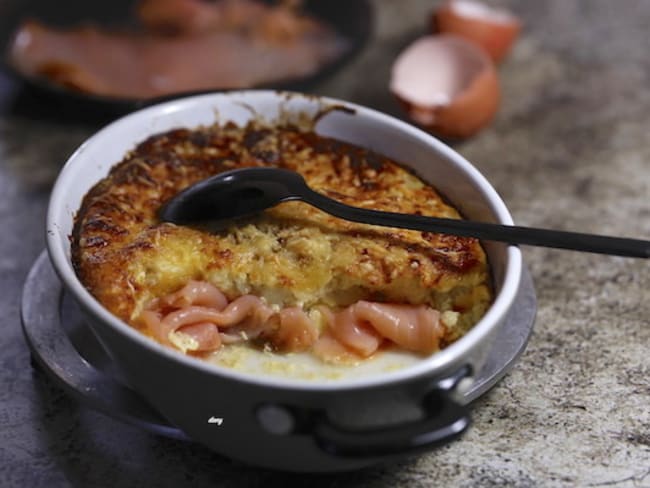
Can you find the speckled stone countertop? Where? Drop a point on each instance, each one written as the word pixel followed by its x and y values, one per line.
pixel 569 149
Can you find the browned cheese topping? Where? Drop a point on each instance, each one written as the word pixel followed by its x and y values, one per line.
pixel 293 257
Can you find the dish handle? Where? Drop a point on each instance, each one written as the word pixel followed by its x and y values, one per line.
pixel 444 420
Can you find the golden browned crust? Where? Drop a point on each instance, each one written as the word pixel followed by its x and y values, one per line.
pixel 292 255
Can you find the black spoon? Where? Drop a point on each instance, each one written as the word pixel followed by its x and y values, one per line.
pixel 247 191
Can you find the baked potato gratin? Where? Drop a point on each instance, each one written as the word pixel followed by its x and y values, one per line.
pixel 293 278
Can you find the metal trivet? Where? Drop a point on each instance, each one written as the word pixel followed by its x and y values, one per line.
pixel 65 348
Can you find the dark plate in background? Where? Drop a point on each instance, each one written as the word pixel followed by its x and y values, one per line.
pixel 351 18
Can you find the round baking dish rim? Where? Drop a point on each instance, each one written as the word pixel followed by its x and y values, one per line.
pixel 439 362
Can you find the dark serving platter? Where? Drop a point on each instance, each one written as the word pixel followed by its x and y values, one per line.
pixel 353 19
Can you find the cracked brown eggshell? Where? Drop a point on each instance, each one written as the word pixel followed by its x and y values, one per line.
pixel 447 85
pixel 494 29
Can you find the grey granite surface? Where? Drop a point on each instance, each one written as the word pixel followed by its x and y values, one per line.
pixel 568 149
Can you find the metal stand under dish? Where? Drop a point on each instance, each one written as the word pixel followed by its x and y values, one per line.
pixel 65 348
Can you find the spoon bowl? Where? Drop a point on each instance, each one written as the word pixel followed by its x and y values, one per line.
pixel 234 194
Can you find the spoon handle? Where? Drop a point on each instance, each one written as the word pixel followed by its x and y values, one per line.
pixel 493 232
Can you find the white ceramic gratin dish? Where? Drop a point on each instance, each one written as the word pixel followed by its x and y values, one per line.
pixel 288 423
